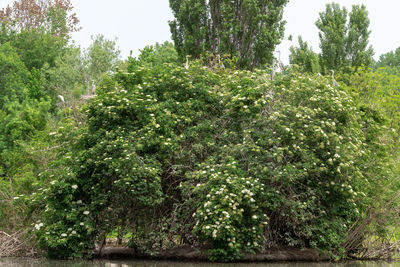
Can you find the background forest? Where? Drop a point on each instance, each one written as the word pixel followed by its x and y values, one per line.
pixel 209 142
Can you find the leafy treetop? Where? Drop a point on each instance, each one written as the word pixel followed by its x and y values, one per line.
pixel 248 29
pixel 53 15
pixel 343 42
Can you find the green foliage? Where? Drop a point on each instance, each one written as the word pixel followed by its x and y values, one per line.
pixel 378 90
pixel 376 93
pixel 38 30
pixel 13 75
pixel 224 159
pixel 228 218
pixel 158 55
pixel 390 61
pixel 248 30
pixel 67 77
pixel 19 124
pixel 101 57
pixel 24 152
pixel 36 85
pixel 357 49
pixel 214 157
pixel 304 57
pixel 37 47
pixel 343 42
pixel 42 153
pixel 76 73
pixel 332 26
pixel 227 159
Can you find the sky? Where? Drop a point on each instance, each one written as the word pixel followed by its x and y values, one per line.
pixel 137 23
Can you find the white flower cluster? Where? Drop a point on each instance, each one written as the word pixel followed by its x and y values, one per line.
pixel 38 226
pixel 224 205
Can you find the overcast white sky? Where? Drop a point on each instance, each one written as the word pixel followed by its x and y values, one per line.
pixel 137 23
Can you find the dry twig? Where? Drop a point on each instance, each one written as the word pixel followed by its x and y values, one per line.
pixel 11 245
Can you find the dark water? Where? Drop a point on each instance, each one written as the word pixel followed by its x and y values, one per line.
pixel 18 262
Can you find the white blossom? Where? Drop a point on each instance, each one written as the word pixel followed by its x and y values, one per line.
pixel 38 226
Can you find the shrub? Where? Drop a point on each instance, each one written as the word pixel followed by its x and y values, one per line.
pixel 243 161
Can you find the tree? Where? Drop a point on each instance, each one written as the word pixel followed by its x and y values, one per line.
pixel 38 29
pixel 37 47
pixel 332 26
pixel 102 56
pixel 67 77
pixel 53 15
pixel 246 29
pixel 158 54
pixel 390 59
pixel 305 57
pixel 344 43
pixel 357 49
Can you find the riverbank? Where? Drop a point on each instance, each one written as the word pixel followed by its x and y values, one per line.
pixel 17 245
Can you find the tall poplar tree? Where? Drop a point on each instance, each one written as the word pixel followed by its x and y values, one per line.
pixel 357 48
pixel 247 29
pixel 343 41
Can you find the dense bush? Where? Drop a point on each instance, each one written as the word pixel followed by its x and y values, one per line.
pixel 224 159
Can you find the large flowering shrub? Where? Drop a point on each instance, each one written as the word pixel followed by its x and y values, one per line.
pixel 224 159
